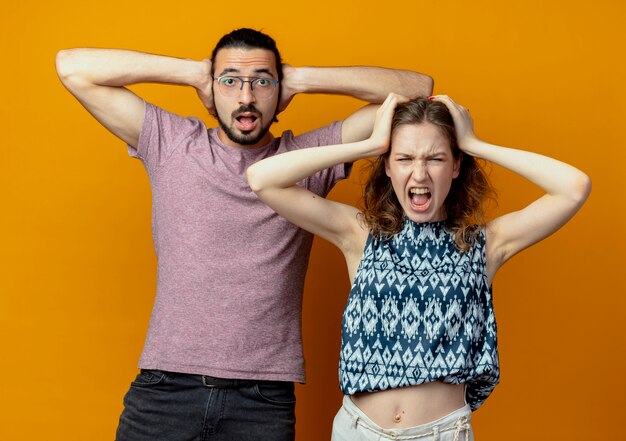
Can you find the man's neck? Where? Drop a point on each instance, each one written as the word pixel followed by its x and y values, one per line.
pixel 223 137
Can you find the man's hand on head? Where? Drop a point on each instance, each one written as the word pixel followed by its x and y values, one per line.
pixel 203 87
pixel 287 89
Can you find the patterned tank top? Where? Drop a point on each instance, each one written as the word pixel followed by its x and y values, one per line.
pixel 419 311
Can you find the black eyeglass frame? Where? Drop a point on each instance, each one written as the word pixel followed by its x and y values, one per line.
pixel 250 80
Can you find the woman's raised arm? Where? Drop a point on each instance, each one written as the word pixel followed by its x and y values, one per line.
pixel 566 190
pixel 275 180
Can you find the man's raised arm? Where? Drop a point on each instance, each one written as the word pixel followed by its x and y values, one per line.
pixel 371 84
pixel 96 77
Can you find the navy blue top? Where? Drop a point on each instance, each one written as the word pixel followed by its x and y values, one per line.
pixel 419 311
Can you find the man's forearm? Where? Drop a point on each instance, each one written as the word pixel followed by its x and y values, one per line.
pixel 96 77
pixel 116 67
pixel 371 84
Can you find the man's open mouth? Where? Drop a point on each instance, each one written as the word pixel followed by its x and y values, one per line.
pixel 246 122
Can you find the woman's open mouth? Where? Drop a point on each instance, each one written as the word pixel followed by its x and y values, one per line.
pixel 419 198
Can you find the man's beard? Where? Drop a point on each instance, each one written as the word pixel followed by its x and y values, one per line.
pixel 245 138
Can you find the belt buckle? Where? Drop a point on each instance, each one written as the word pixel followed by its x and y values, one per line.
pixel 205 384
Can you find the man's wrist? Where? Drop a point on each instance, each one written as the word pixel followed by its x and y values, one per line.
pixel 292 79
pixel 199 74
pixel 313 79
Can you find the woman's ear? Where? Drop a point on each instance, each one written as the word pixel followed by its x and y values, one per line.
pixel 456 168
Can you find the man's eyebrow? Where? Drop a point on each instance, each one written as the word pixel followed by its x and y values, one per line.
pixel 266 71
pixel 229 70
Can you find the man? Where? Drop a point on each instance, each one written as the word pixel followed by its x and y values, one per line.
pixel 223 347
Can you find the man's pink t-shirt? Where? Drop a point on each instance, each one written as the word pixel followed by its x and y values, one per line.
pixel 230 270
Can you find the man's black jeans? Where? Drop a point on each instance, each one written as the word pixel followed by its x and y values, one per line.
pixel 176 407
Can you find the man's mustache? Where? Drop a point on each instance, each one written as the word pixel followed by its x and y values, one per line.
pixel 246 108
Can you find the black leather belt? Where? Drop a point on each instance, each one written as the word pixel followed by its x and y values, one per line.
pixel 226 383
pixel 220 383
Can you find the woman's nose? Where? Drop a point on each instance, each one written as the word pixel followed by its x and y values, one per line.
pixel 419 171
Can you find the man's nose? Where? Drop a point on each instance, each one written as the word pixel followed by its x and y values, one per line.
pixel 245 93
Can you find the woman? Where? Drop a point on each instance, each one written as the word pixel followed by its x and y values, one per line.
pixel 419 349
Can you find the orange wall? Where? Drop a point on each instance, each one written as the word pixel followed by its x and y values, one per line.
pixel 76 259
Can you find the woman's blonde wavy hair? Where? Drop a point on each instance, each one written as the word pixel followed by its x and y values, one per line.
pixel 464 205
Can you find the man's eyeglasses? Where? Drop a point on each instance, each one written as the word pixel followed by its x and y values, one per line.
pixel 261 87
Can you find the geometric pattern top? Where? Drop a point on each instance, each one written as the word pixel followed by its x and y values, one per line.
pixel 419 311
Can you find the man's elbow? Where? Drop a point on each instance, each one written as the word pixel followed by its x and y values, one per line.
pixel 423 86
pixel 428 85
pixel 416 85
pixel 67 63
pixel 63 64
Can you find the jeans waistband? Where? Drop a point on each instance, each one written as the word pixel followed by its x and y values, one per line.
pixel 222 383
pixel 226 383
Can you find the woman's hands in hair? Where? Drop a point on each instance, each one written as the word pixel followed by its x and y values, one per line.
pixel 463 123
pixel 381 134
pixel 566 189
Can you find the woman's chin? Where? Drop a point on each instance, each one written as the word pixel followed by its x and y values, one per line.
pixel 423 213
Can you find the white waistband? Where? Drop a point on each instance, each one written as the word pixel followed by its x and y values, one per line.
pixel 458 420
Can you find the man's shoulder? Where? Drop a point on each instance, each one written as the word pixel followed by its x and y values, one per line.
pixel 325 135
pixel 159 113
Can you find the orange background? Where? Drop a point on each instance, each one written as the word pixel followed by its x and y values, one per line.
pixel 77 267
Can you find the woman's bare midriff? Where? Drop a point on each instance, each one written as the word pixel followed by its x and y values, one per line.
pixel 411 406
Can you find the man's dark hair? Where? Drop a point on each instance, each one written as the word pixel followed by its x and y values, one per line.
pixel 248 39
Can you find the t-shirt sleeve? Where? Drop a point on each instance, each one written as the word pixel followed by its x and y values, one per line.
pixel 323 181
pixel 162 134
